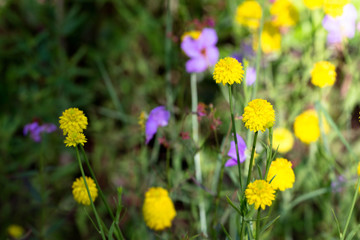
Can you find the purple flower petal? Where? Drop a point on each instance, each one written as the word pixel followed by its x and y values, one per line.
pixel 212 54
pixel 232 151
pixel 208 38
pixel 191 47
pixel 158 117
pixel 250 76
pixel 231 162
pixel 48 127
pixel 196 65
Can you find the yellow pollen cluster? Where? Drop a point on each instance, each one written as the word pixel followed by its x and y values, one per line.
pixel 228 70
pixel 73 122
pixel 248 14
pixel 15 231
pixel 283 140
pixel 306 126
pixel 323 74
pixel 284 13
pixel 260 193
pixel 270 39
pixel 158 209
pixel 193 34
pixel 259 115
pixel 313 4
pixel 282 174
pixel 334 8
pixel 80 193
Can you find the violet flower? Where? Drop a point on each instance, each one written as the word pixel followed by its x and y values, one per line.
pixel 341 27
pixel 250 76
pixel 158 117
pixel 35 130
pixel 203 52
pixel 232 152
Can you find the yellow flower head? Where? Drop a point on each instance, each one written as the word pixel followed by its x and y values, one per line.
pixel 306 126
pixel 258 115
pixel 141 120
pixel 248 14
pixel 358 169
pixel 80 193
pixel 282 174
pixel 73 120
pixel 323 74
pixel 283 140
pixel 228 70
pixel 284 12
pixel 334 8
pixel 158 209
pixel 75 138
pixel 15 231
pixel 313 4
pixel 193 34
pixel 270 39
pixel 260 193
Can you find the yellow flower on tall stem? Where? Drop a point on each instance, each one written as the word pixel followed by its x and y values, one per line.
pixel 80 193
pixel 228 71
pixel 258 115
pixel 73 120
pixel 281 174
pixel 260 193
pixel 283 140
pixel 270 39
pixel 323 74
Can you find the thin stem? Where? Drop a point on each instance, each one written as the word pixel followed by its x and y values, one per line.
pixel 258 225
pixel 168 168
pixel 235 137
pixel 102 196
pixel 169 93
pixel 351 209
pixel 195 133
pixel 88 191
pixel 252 159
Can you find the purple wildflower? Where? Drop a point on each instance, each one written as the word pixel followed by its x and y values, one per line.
pixel 232 152
pixel 250 76
pixel 341 27
pixel 158 117
pixel 202 51
pixel 35 130
pixel 337 185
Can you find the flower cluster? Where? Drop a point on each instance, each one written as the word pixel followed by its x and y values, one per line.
pixel 248 13
pixel 281 174
pixel 80 193
pixel 323 74
pixel 158 209
pixel 306 126
pixel 228 71
pixel 260 193
pixel 73 122
pixel 283 140
pixel 259 115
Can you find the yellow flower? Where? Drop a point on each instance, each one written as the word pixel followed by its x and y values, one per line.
pixel 248 13
pixel 75 138
pixel 192 34
pixel 15 231
pixel 323 74
pixel 306 126
pixel 334 8
pixel 141 120
pixel 283 140
pixel 73 120
pixel 260 193
pixel 228 70
pixel 358 169
pixel 80 193
pixel 284 12
pixel 270 39
pixel 313 4
pixel 158 209
pixel 282 174
pixel 258 115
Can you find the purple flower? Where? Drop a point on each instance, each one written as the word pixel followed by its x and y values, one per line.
pixel 232 152
pixel 202 51
pixel 250 76
pixel 35 130
pixel 341 27
pixel 337 185
pixel 158 117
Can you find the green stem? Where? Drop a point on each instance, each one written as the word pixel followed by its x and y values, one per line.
pixel 168 168
pixel 169 93
pixel 102 196
pixel 252 159
pixel 235 137
pixel 195 132
pixel 351 209
pixel 269 159
pixel 258 225
pixel 88 191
